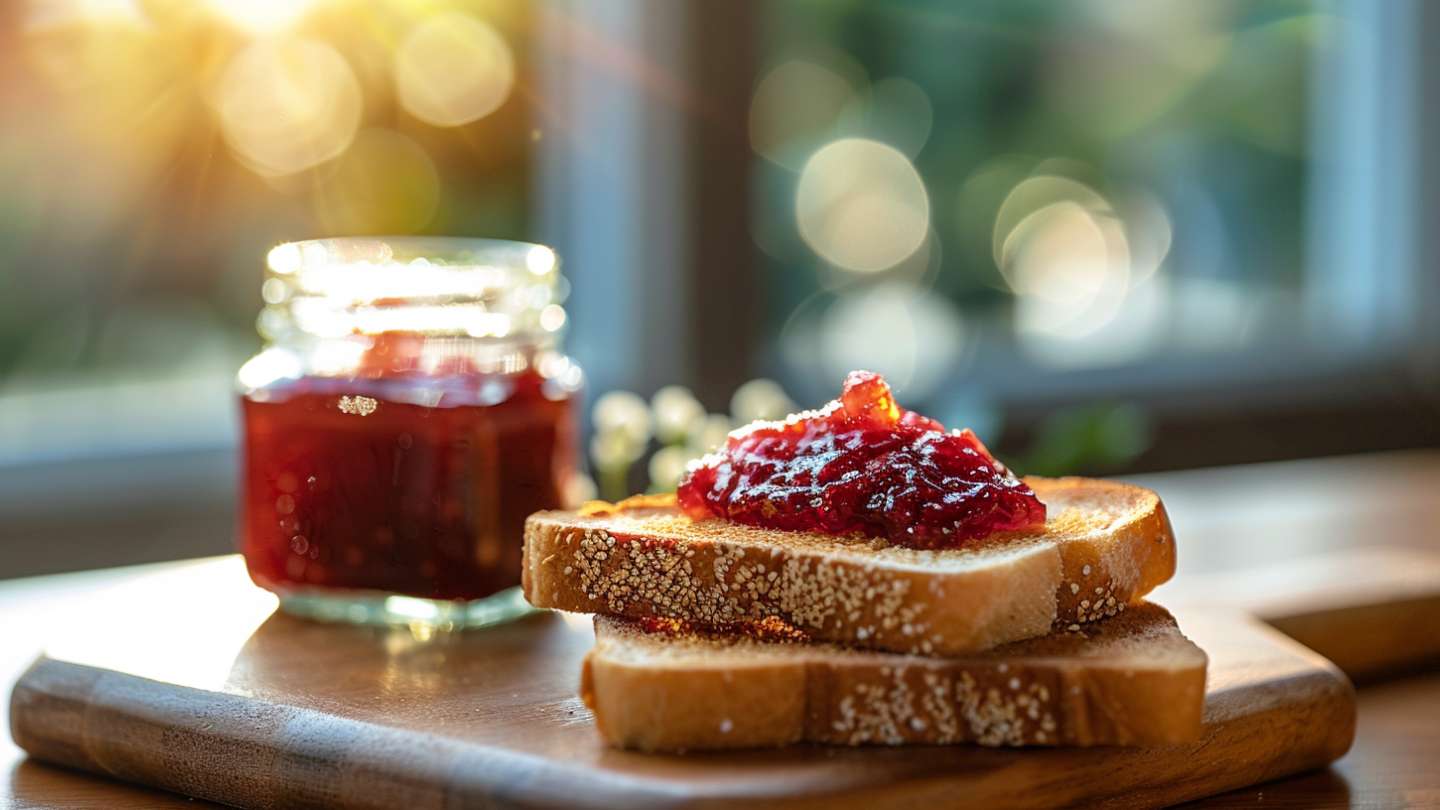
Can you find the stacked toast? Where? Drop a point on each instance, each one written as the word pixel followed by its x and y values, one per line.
pixel 713 634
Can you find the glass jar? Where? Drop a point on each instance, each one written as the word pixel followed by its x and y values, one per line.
pixel 409 409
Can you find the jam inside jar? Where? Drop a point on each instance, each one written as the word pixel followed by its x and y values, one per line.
pixel 409 410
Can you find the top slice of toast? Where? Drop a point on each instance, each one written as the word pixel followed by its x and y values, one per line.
pixel 1104 545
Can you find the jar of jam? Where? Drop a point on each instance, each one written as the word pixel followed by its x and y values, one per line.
pixel 409 409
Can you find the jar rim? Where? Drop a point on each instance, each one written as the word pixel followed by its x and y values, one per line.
pixel 491 288
pixel 290 258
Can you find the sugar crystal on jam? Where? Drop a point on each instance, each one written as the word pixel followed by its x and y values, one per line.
pixel 862 464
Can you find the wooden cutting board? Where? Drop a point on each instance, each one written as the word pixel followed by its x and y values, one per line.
pixel 196 686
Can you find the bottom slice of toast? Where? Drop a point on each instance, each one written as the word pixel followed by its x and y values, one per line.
pixel 664 685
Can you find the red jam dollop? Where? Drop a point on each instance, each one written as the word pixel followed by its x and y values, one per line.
pixel 862 464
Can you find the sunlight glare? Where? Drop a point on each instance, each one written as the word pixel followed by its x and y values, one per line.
pixel 43 16
pixel 262 16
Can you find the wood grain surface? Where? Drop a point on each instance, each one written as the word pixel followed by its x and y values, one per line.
pixel 1370 611
pixel 300 714
pixel 1272 513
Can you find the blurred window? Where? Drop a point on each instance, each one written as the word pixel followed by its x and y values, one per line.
pixel 991 201
pixel 1001 205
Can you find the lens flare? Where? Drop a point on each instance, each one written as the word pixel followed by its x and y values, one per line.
pixel 452 69
pixel 287 105
pixel 861 205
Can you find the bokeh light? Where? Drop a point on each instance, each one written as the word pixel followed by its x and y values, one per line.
pixel 552 318
pixel 861 205
pixel 262 16
pixel 1070 267
pixel 384 183
pixel 1083 268
pixel 980 197
pixel 286 105
pixel 452 69
pixel 540 260
pixel 895 111
pixel 911 337
pixel 796 104
pixel 914 337
pixel 1032 194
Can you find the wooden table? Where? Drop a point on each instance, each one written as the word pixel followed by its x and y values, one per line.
pixel 1225 519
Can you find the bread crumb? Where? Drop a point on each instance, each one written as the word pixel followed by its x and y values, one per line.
pixel 1085 571
pixel 726 726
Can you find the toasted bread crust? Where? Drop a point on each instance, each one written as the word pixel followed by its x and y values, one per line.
pixel 1105 545
pixel 1133 680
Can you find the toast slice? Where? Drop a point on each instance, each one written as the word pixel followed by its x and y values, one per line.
pixel 1104 545
pixel 1129 680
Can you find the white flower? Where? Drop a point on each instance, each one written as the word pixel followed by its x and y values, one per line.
pixel 621 412
pixel 614 450
pixel 676 412
pixel 710 432
pixel 579 488
pixel 667 465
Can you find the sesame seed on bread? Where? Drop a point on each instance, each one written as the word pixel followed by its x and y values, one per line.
pixel 1104 546
pixel 1130 680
